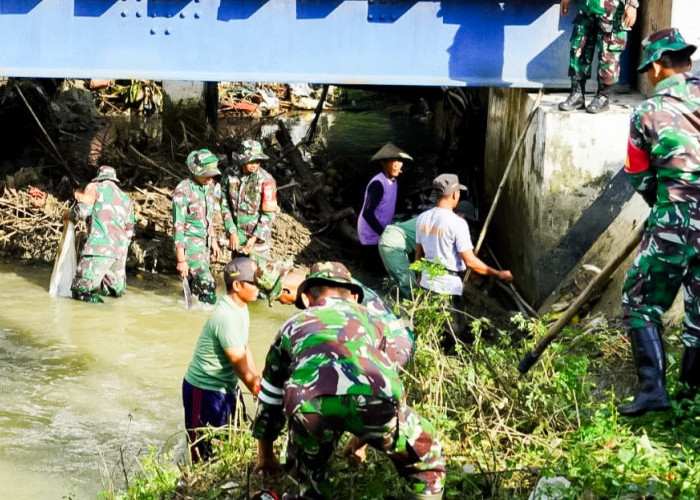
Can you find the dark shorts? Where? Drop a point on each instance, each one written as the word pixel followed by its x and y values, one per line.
pixel 204 407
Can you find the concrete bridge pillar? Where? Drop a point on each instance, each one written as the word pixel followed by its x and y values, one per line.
pixel 567 184
pixel 193 103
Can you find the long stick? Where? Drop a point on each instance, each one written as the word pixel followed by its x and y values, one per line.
pixel 531 357
pixel 319 108
pixel 38 122
pixel 519 300
pixel 518 144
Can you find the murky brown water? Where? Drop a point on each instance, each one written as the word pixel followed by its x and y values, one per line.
pixel 79 382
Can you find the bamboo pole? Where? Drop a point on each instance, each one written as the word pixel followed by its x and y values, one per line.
pixel 504 178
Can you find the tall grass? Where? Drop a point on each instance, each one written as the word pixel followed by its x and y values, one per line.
pixel 500 432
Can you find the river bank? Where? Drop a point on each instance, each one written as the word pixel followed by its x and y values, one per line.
pixel 38 177
pixel 555 433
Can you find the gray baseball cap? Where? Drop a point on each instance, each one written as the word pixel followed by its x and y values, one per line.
pixel 445 184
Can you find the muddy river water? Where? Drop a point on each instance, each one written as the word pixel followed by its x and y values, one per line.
pixel 80 382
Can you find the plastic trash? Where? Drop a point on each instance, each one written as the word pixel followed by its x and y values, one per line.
pixel 65 265
pixel 550 488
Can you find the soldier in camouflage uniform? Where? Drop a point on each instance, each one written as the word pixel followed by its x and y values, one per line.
pixel 249 203
pixel 193 224
pixel 327 373
pixel 110 219
pixel 280 281
pixel 604 23
pixel 663 162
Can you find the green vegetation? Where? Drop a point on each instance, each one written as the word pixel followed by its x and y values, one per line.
pixel 500 432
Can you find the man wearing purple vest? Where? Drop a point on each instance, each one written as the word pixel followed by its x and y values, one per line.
pixel 380 200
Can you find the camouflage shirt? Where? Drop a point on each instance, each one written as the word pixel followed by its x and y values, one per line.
pixel 249 202
pixel 110 220
pixel 605 8
pixel 398 338
pixel 663 152
pixel 193 212
pixel 332 349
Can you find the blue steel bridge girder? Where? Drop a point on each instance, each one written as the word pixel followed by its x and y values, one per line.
pixel 520 43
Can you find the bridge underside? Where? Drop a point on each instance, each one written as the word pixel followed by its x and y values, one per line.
pixel 379 42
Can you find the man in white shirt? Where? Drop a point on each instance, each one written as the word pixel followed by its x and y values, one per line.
pixel 443 236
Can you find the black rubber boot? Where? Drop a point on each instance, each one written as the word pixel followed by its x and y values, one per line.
pixel 650 361
pixel 690 372
pixel 576 99
pixel 87 297
pixel 600 101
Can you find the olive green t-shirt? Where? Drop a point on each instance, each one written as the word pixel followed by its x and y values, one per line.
pixel 226 328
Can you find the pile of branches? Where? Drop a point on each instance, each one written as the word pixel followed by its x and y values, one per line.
pixel 22 212
pixel 143 97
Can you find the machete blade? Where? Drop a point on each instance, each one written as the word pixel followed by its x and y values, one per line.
pixel 187 293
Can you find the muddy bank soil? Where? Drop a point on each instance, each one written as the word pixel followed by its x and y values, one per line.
pixel 60 138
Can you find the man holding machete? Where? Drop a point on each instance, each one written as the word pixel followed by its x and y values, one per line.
pixel 193 225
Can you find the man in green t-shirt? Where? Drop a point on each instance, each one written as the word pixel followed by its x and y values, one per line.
pixel 222 356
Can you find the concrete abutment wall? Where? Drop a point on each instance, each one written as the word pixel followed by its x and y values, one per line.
pixel 567 200
pixel 564 189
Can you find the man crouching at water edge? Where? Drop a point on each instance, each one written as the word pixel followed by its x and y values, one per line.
pixel 210 391
pixel 327 374
pixel 280 282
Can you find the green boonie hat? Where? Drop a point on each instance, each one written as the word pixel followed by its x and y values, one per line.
pixel 252 151
pixel 328 274
pixel 390 152
pixel 272 276
pixel 106 173
pixel 665 40
pixel 203 163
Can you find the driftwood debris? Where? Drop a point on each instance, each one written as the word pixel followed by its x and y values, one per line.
pixel 21 215
pixel 317 196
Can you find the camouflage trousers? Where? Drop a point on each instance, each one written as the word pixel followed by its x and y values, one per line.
pixel 98 275
pixel 261 249
pixel 246 225
pixel 392 250
pixel 200 278
pixel 610 40
pixel 315 429
pixel 669 257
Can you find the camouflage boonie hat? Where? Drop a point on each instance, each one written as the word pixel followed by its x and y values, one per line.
pixel 328 274
pixel 252 151
pixel 390 152
pixel 106 173
pixel 203 163
pixel 271 278
pixel 665 40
